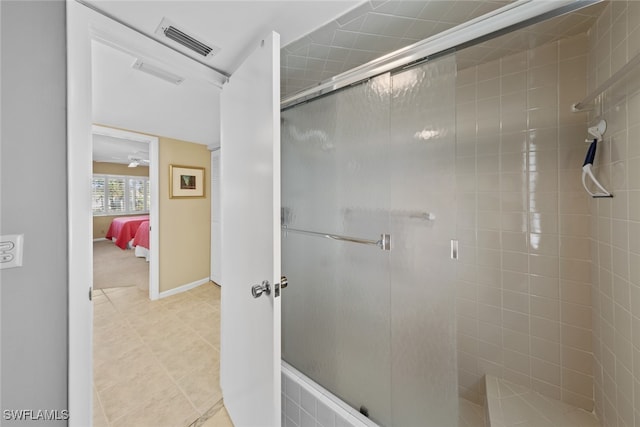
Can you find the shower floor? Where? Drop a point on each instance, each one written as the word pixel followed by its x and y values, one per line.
pixel 513 405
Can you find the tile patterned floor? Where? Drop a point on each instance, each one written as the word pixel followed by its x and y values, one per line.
pixel 156 363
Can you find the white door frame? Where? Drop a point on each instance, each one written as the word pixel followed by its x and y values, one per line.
pixel 79 170
pixel 216 224
pixel 85 25
pixel 154 209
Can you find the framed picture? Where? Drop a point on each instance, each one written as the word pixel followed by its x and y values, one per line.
pixel 186 182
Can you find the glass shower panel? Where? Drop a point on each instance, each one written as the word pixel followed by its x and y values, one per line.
pixel 376 328
pixel 336 310
pixel 423 212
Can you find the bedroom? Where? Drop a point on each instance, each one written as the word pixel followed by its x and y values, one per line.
pixel 121 198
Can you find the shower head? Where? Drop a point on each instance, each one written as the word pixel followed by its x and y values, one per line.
pixel 598 130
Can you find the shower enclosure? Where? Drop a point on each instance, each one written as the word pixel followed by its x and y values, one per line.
pixel 372 320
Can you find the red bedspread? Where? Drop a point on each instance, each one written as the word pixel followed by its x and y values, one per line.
pixel 142 235
pixel 124 229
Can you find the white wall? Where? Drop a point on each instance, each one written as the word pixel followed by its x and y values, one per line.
pixel 33 201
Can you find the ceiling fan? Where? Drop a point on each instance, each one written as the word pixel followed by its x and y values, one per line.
pixel 138 159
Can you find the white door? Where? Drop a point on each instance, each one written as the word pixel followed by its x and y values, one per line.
pixel 250 179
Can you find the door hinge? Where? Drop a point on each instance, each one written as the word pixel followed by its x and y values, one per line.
pixel 90 293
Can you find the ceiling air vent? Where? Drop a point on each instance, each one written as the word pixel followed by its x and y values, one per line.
pixel 169 30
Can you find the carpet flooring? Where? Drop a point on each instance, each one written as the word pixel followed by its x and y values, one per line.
pixel 115 268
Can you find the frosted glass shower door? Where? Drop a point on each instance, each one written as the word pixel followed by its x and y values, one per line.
pixel 336 318
pixel 376 328
pixel 423 205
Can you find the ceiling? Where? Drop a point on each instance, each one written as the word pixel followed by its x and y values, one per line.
pixel 117 150
pixel 320 39
pixel 126 98
pixel 233 26
pixel 367 32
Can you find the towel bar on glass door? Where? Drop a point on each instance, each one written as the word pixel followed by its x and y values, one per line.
pixel 384 243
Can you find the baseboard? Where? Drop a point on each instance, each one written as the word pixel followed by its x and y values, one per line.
pixel 183 288
pixel 99 239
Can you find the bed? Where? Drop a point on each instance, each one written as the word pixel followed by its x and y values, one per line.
pixel 141 241
pixel 123 229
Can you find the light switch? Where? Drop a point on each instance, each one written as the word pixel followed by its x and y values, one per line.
pixel 11 250
pixel 6 246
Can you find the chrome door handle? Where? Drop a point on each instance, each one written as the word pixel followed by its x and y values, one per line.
pixel 283 282
pixel 258 290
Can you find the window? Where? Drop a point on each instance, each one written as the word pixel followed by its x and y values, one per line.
pixel 98 194
pixel 115 195
pixel 120 195
pixel 137 194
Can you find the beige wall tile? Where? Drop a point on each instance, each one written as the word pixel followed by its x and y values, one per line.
pixel 542 286
pixel 515 321
pixel 577 338
pixel 575 225
pixel 516 341
pixel 546 308
pixel 575 292
pixel 525 209
pixel 488 71
pixel 576 315
pixel 577 382
pixel 546 75
pixel 545 371
pixel 546 181
pixel 571 47
pixel 575 270
pixel 515 82
pixel 542 243
pixel 546 350
pixel 575 247
pixel 542 223
pixel 515 63
pixel 546 388
pixel 543 265
pixel 489 88
pixel 546 329
pixel 543 55
pixel 581 361
pixel 517 362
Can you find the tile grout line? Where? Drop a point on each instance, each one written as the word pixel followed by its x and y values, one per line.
pixel 209 413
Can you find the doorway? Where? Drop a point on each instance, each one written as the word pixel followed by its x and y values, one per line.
pixel 87 27
pixel 125 210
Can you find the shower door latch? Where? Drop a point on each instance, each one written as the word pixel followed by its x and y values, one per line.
pixel 258 290
pixel 278 286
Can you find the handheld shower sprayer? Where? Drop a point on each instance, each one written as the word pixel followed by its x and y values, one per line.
pixel 596 132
